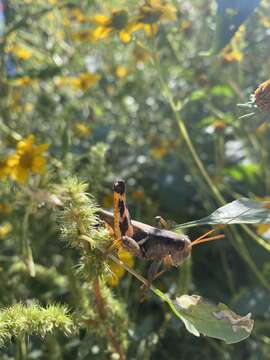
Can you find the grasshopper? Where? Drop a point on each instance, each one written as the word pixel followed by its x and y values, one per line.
pixel 145 241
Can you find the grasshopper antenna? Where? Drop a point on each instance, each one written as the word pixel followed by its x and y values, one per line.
pixel 204 238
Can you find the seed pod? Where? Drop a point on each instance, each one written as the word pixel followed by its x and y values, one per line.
pixel 262 96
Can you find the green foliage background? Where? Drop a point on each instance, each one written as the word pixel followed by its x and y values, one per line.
pixel 137 125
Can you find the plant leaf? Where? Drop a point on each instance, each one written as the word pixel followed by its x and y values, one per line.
pixel 230 15
pixel 242 211
pixel 216 321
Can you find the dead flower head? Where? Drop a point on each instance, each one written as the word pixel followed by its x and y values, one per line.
pixel 262 96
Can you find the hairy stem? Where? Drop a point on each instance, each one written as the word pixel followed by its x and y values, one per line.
pixel 101 306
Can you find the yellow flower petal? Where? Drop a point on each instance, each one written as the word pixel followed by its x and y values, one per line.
pixel 19 174
pixel 28 157
pixel 121 71
pixel 26 144
pixel 13 160
pixel 21 52
pixel 112 280
pixel 101 33
pixel 41 148
pixel 24 80
pixel 124 36
pixel 38 164
pixel 126 257
pixel 100 19
pixel 150 29
pixel 117 270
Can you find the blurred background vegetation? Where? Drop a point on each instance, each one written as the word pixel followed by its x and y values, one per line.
pixel 103 90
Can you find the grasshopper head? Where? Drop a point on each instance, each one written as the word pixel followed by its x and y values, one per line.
pixel 182 251
pixel 119 187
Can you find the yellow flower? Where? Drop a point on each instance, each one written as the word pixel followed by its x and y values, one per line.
pixel 4 169
pixel 121 71
pixel 154 10
pixel 232 52
pixel 158 152
pixel 28 157
pixel 262 229
pixel 163 148
pixel 23 81
pixel 69 16
pixel 231 55
pixel 83 81
pixel 77 14
pixel 117 22
pixel 117 270
pixel 5 229
pixel 21 52
pixel 81 130
pixel 5 208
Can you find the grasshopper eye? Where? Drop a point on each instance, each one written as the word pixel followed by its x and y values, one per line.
pixel 181 254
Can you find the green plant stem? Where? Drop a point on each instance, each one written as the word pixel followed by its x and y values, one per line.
pixel 137 276
pixel 21 349
pixel 26 245
pixel 151 287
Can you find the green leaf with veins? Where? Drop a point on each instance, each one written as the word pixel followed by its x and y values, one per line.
pixel 241 211
pixel 216 321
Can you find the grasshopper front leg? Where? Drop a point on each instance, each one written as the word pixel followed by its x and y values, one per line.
pixel 133 246
pixel 152 274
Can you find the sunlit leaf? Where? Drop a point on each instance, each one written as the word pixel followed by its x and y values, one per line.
pixel 222 90
pixel 245 171
pixel 230 15
pixel 242 211
pixel 198 95
pixel 216 321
